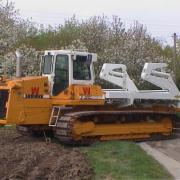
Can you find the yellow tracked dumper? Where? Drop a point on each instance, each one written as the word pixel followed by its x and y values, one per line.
pixel 65 101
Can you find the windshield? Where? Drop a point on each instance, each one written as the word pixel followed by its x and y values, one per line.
pixel 47 64
pixel 81 68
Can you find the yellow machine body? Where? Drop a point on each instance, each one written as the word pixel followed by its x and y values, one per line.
pixel 76 111
pixel 28 100
pixel 25 101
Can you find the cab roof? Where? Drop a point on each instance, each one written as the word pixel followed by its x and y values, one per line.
pixel 71 52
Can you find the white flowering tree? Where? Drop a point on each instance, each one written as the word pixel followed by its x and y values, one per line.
pixel 30 62
pixel 108 38
pixel 13 32
pixel 115 44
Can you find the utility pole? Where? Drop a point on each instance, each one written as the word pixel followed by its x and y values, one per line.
pixel 174 55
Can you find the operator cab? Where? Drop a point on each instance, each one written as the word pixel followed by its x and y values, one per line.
pixel 66 67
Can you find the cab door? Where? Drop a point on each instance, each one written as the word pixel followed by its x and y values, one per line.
pixel 46 69
pixel 61 74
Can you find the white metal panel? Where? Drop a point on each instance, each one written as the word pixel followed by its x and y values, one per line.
pixel 152 72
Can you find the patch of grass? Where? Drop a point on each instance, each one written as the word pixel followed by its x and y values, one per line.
pixel 123 160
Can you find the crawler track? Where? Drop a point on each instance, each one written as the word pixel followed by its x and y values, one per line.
pixel 64 129
pixel 176 127
pixel 24 130
pixel 64 133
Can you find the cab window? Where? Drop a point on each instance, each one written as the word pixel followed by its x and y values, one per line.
pixel 81 68
pixel 47 64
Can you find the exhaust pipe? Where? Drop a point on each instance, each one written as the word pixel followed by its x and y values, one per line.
pixel 18 64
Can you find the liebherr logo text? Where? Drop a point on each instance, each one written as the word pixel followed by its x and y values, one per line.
pixel 34 93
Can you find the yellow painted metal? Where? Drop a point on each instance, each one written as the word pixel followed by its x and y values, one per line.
pixel 26 104
pixel 81 128
pixel 177 110
pixel 80 95
pixel 29 100
pixel 123 130
pixel 125 137
pixel 3 122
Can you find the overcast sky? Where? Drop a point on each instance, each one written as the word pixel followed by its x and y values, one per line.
pixel 161 17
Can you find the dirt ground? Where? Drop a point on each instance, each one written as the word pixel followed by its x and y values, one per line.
pixel 23 157
pixel 169 147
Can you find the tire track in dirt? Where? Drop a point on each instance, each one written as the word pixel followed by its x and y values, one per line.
pixel 30 158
